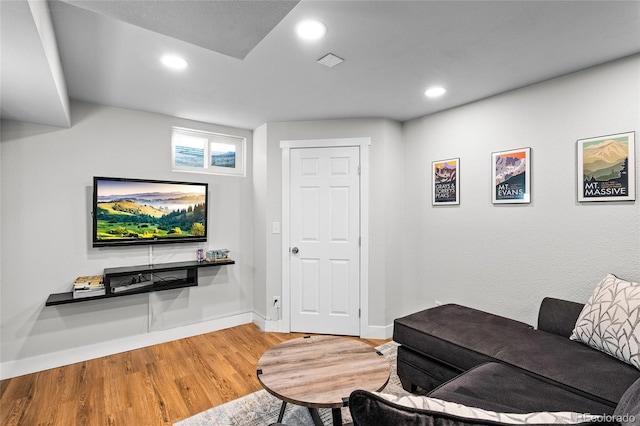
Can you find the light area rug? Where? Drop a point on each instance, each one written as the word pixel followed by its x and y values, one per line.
pixel 261 408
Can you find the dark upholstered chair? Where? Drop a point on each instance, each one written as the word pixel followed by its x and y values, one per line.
pixel 371 409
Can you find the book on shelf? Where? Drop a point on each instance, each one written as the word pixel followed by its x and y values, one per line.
pixel 79 294
pixel 88 286
pixel 88 282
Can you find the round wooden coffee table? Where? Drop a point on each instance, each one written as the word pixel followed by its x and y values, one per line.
pixel 321 372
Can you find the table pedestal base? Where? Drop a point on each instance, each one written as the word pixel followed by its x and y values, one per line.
pixel 336 413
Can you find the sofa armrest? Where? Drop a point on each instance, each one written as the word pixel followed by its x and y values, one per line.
pixel 372 409
pixel 368 409
pixel 558 316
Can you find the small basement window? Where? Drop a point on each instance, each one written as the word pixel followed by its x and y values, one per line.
pixel 207 152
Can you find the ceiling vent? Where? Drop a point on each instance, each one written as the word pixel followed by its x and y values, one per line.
pixel 330 60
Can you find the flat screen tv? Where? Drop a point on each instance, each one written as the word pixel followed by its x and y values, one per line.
pixel 139 211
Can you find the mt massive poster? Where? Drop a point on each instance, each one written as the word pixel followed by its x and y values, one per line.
pixel 606 168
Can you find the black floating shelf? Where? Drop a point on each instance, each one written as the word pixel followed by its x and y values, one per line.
pixel 123 273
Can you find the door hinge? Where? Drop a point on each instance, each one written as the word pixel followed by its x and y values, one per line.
pixel 359 241
pixel 358 170
pixel 359 313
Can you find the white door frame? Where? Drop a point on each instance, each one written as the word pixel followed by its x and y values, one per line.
pixel 286 146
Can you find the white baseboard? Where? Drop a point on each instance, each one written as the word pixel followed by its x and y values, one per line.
pixel 258 320
pixel 377 332
pixel 269 325
pixel 57 359
pixel 276 326
pixel 371 332
pixel 70 356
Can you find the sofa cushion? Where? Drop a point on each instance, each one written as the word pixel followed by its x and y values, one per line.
pixel 572 365
pixel 498 387
pixel 476 335
pixel 610 320
pixel 370 408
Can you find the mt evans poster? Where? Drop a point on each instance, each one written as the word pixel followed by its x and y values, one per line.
pixel 511 176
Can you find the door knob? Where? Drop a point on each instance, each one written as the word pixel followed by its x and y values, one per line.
pixel 295 250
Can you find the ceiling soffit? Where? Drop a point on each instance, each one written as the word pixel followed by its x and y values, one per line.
pixel 233 28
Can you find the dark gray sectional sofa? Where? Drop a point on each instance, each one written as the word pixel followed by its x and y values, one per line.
pixel 477 359
pixel 439 344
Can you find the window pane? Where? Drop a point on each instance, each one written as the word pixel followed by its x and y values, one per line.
pixel 207 152
pixel 223 155
pixel 189 151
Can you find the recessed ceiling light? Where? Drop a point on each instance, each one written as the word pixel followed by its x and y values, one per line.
pixel 311 30
pixel 434 92
pixel 174 62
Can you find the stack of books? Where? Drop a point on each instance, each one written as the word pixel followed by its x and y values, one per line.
pixel 216 255
pixel 88 286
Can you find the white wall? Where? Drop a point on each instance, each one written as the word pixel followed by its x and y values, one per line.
pixel 1 125
pixel 46 225
pixel 506 258
pixel 385 205
pixel 503 259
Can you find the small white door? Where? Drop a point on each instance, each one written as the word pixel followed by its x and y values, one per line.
pixel 324 240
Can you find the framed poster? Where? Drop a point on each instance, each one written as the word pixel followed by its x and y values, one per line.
pixel 606 168
pixel 511 176
pixel 446 184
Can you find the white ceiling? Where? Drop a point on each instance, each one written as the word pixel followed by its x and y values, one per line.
pixel 247 67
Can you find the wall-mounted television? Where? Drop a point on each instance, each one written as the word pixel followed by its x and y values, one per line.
pixel 139 211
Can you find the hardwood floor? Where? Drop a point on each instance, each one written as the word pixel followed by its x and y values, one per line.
pixel 157 385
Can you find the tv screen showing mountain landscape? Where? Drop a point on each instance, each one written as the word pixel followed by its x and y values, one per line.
pixel 130 211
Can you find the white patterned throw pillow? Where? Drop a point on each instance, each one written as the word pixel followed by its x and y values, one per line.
pixel 462 411
pixel 610 320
